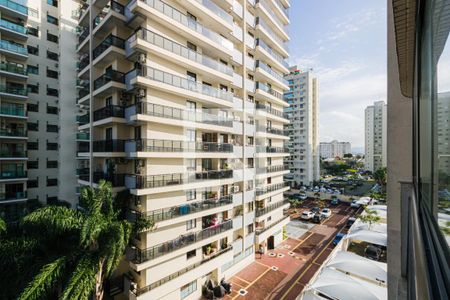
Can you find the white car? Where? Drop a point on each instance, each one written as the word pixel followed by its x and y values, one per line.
pixel 326 212
pixel 355 204
pixel 307 215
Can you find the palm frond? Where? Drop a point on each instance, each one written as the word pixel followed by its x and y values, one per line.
pixel 2 226
pixel 82 282
pixel 114 247
pixel 91 229
pixel 57 219
pixel 41 283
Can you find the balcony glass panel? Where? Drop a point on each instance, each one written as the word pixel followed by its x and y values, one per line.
pixel 13 68
pixel 13 26
pixel 13 47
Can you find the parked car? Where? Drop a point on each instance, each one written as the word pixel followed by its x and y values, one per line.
pixel 338 238
pixel 334 201
pixel 318 218
pixel 307 215
pixel 300 196
pixel 315 210
pixel 372 252
pixel 326 212
pixel 355 204
pixel 350 222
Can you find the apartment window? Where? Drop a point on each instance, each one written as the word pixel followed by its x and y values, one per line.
pixel 191 254
pixel 32 88
pixel 190 164
pixel 52 55
pixel 53 3
pixel 33 50
pixel 32 183
pixel 32 107
pixel 52 110
pixel 52 164
pixel 33 146
pixel 33 31
pixel 191 195
pixel 52 146
pixel 52 128
pixel 52 38
pixel 250 228
pixel 33 164
pixel 52 74
pixel 52 20
pixel 32 69
pixel 32 126
pixel 188 289
pixel 190 224
pixel 52 92
pixel 52 182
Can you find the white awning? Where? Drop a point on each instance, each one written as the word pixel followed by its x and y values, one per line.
pixel 359 225
pixel 368 236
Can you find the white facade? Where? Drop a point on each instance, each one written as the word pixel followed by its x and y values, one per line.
pixel 38 108
pixel 443 131
pixel 303 113
pixel 375 136
pixel 334 149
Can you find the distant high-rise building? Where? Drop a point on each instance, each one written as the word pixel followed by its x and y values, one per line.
pixel 443 131
pixel 38 108
pixel 375 136
pixel 334 149
pixel 303 128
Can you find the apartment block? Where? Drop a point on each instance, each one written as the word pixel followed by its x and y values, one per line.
pixel 334 149
pixel 375 136
pixel 181 104
pixel 443 131
pixel 303 113
pixel 37 131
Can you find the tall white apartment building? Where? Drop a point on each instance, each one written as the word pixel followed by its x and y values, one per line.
pixel 375 136
pixel 303 113
pixel 443 131
pixel 37 103
pixel 334 149
pixel 183 107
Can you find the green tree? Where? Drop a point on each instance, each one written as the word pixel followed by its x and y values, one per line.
pixel 94 240
pixel 380 177
pixel 371 217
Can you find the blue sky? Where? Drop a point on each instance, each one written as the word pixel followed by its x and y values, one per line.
pixel 345 43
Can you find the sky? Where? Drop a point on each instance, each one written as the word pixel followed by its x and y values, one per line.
pixel 344 42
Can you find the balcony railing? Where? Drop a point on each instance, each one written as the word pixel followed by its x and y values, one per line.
pixel 152 145
pixel 156 181
pixel 109 41
pixel 10 150
pixel 172 276
pixel 182 210
pixel 180 82
pixel 110 111
pixel 275 55
pixel 272 130
pixel 109 76
pixel 271 188
pixel 259 231
pixel 273 15
pixel 13 47
pixel 282 8
pixel 162 111
pixel 7 89
pixel 13 68
pixel 83 120
pixel 272 169
pixel 12 109
pixel 13 174
pixel 265 88
pixel 83 92
pixel 18 7
pixel 217 10
pixel 279 77
pixel 178 49
pixel 269 149
pixel 8 196
pixel 83 35
pixel 84 62
pixel 114 6
pixel 142 255
pixel 183 19
pixel 13 26
pixel 83 136
pixel 117 180
pixel 273 35
pixel 109 146
pixel 13 132
pixel 270 110
pixel 269 208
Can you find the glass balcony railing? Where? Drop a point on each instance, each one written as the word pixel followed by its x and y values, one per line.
pixel 272 169
pixel 271 188
pixel 218 11
pixel 183 19
pixel 83 119
pixel 84 62
pixel 272 34
pixel 13 68
pixel 84 34
pixel 263 211
pixel 279 77
pixel 155 181
pixel 270 149
pixel 153 145
pixel 275 55
pixel 109 146
pixel 143 255
pixel 259 231
pixel 13 132
pixel 83 136
pixel 273 15
pixel 110 111
pixel 12 150
pixel 110 40
pixel 13 47
pixel 112 75
pixel 8 89
pixel 183 83
pixel 7 196
pixel 13 26
pixel 117 180
pixel 178 49
pixel 272 130
pixel 163 111
pixel 270 110
pixel 12 174
pixel 17 7
pixel 114 6
pixel 12 109
pixel 282 8
pixel 267 89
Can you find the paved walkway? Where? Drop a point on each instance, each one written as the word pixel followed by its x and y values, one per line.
pixel 282 273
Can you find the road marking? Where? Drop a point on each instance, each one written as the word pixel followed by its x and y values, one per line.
pixel 296 281
pixel 241 279
pixel 323 250
pixel 302 241
pixel 253 282
pixel 261 265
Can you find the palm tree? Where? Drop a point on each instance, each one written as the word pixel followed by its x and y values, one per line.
pixel 2 226
pixel 380 177
pixel 371 217
pixel 97 236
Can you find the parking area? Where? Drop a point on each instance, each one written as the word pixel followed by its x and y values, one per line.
pixel 282 273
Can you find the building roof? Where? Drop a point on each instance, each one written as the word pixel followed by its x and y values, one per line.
pixel 369 236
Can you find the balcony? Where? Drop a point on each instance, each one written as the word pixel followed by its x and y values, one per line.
pixel 259 231
pixel 167 112
pixel 117 180
pixel 83 92
pixel 12 151
pixel 270 110
pixel 270 94
pixel 171 146
pixel 84 62
pixel 197 61
pixel 271 188
pixel 272 169
pixel 83 119
pixel 109 146
pixel 113 43
pixel 279 79
pixel 270 149
pixel 143 255
pixel 271 130
pixel 274 56
pixel 164 180
pixel 14 50
pixel 12 174
pixel 16 92
pixel 12 196
pixel 263 211
pixel 83 136
pixel 13 132
pixel 174 81
pixel 110 76
pixel 183 210
pixel 217 11
pixel 16 10
pixel 13 70
pixel 109 17
pixel 12 110
pixel 274 19
pixel 83 35
pixel 13 29
pixel 111 111
pixel 271 36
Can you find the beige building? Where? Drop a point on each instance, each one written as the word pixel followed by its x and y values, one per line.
pixel 334 149
pixel 375 136
pixel 37 129
pixel 182 106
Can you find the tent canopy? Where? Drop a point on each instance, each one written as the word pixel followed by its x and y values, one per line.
pixel 369 236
